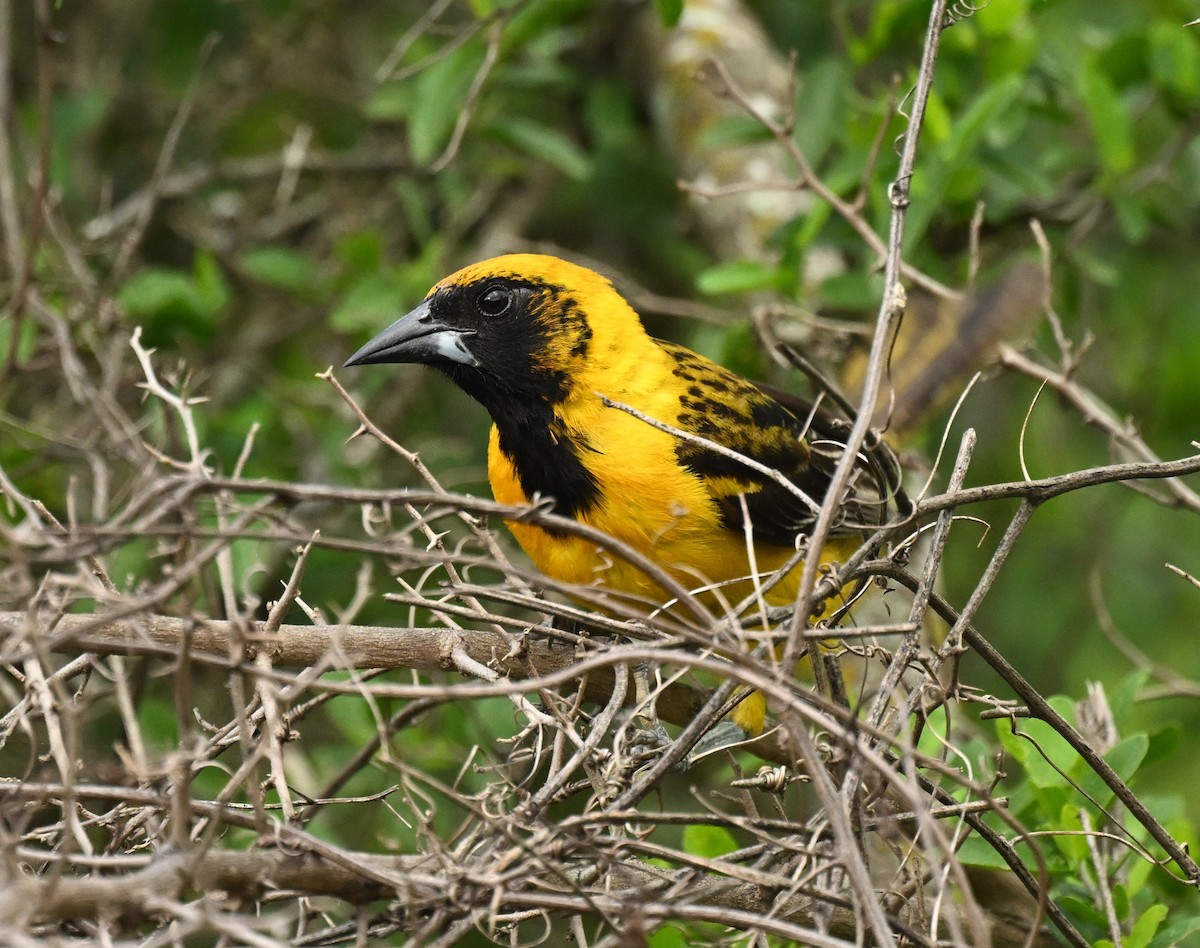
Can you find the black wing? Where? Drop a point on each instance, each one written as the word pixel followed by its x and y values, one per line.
pixel 785 434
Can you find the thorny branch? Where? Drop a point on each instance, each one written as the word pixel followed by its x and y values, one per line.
pixel 890 313
pixel 130 630
pixel 119 813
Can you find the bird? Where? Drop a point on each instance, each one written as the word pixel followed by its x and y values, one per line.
pixel 642 439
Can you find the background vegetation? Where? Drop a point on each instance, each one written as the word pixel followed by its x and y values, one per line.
pixel 259 186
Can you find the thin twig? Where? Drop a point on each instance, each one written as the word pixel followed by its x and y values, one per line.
pixel 890 311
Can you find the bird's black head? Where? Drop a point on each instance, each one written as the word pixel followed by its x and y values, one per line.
pixel 509 331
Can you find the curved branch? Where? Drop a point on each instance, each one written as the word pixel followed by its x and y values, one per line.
pixel 359 878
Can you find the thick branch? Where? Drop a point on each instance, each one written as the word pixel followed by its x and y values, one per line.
pixel 249 875
pixel 145 892
pixel 341 646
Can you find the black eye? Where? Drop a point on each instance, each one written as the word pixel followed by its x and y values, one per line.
pixel 496 300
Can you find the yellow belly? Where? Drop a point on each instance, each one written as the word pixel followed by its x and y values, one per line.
pixel 668 518
pixel 671 521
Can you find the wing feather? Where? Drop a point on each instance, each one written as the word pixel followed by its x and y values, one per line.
pixel 782 432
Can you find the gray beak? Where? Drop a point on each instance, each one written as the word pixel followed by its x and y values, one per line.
pixel 418 337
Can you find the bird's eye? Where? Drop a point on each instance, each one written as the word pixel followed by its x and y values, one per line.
pixel 495 301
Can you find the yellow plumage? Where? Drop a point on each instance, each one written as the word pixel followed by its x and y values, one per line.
pixel 539 341
pixel 647 500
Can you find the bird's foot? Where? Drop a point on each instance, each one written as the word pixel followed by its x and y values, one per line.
pixel 649 737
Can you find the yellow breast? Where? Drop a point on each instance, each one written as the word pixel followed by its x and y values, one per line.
pixel 653 505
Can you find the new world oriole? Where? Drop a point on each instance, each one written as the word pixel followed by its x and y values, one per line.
pixel 538 341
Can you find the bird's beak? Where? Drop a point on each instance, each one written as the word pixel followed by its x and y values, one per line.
pixel 418 337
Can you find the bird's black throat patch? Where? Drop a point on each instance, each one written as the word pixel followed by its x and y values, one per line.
pixel 547 458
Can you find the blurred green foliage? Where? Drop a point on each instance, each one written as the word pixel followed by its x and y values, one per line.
pixel 526 122
pixel 1060 799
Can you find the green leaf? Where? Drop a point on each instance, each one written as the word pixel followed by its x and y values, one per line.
pixel 390 102
pixel 731 131
pixel 933 734
pixel 546 144
pixel 1125 758
pixel 609 115
pixel 438 97
pixel 1079 909
pixel 854 290
pixel 361 251
pixel 985 112
pixel 1146 926
pixel 210 283
pixel 1040 751
pixel 734 346
pixel 821 106
pixel 419 214
pixel 156 290
pixel 1164 742
pixel 1122 697
pixel 1133 216
pixel 1178 932
pixel 1099 266
pixel 1112 127
pixel 282 267
pixel 710 842
pixel 669 11
pixel 26 341
pixel 1137 875
pixel 74 116
pixel 157 722
pixel 738 276
pixel 668 936
pixel 1175 59
pixel 810 225
pixel 372 302
pixel 1001 19
pixel 976 851
pixel 166 299
pixel 1074 847
pixel 938 121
